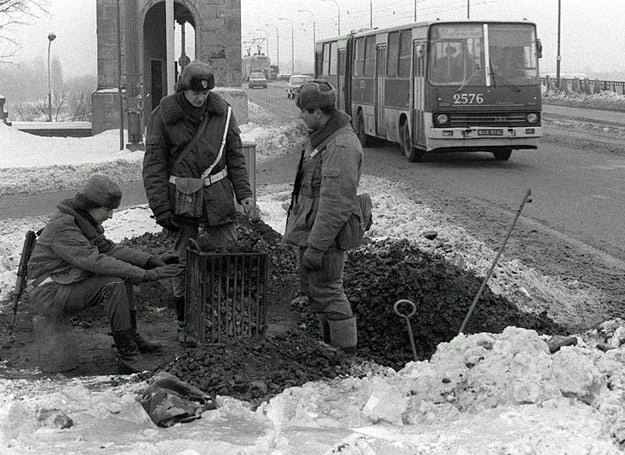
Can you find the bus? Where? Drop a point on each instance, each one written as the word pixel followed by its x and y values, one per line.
pixel 439 86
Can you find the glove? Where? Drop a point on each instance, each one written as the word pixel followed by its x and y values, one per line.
pixel 159 273
pixel 161 260
pixel 168 220
pixel 248 205
pixel 312 258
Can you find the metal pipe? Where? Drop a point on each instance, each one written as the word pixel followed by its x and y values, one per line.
pixel 119 78
pixel 492 266
pixel 558 58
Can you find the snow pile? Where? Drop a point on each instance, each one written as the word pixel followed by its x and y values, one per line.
pixel 479 394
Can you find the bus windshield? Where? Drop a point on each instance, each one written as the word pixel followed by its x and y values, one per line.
pixel 458 54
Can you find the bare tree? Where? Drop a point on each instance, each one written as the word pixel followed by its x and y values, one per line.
pixel 14 13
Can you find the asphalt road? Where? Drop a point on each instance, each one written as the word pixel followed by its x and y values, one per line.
pixel 578 193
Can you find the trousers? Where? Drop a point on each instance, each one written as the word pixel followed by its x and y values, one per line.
pixel 115 294
pixel 324 287
pixel 221 235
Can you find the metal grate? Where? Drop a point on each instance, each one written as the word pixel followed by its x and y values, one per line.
pixel 487 119
pixel 225 295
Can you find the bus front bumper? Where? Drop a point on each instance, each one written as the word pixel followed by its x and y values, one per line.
pixel 483 137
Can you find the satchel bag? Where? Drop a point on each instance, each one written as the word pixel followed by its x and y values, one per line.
pixel 353 231
pixel 189 191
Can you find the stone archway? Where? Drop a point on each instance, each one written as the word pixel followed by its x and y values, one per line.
pixel 141 43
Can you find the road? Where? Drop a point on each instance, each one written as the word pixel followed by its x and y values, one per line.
pixel 578 193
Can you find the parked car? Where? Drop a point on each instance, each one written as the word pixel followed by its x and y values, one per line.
pixel 257 79
pixel 295 84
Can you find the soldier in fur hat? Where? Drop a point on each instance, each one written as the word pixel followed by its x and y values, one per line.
pixel 194 167
pixel 324 197
pixel 74 266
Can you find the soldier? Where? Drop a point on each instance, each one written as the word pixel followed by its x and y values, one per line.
pixel 74 266
pixel 324 196
pixel 194 167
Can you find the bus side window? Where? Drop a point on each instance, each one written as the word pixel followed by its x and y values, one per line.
pixel 369 56
pixel 359 57
pixel 392 55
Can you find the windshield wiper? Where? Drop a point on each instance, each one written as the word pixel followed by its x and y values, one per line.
pixel 469 77
pixel 512 84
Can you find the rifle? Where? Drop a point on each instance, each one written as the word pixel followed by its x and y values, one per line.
pixel 22 272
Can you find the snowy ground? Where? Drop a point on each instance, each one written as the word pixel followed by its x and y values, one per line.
pixel 482 394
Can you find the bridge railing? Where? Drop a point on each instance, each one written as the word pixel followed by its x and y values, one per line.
pixel 583 85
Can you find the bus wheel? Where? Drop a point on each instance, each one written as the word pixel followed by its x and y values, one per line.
pixel 360 131
pixel 502 154
pixel 411 153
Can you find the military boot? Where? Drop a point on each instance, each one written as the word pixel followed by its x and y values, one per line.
pixel 324 327
pixel 343 334
pixel 145 346
pixel 128 356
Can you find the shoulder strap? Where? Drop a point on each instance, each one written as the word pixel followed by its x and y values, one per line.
pixel 207 172
pixel 193 141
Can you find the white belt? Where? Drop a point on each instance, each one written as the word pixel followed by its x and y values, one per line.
pixel 208 181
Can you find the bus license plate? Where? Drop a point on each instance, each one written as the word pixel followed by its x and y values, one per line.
pixel 490 132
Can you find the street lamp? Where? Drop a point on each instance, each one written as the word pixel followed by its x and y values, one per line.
pixel 292 48
pixel 338 13
pixel 558 58
pixel 277 44
pixel 313 24
pixel 51 37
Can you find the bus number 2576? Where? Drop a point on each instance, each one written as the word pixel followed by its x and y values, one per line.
pixel 468 98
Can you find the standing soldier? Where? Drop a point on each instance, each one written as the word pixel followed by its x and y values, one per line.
pixel 324 196
pixel 193 168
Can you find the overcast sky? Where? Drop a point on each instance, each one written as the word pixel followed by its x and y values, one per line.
pixel 592 31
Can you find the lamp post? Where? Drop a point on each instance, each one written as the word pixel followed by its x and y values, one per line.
pixel 277 44
pixel 338 14
pixel 313 24
pixel 292 48
pixel 51 37
pixel 558 58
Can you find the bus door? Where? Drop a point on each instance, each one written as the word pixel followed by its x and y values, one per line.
pixel 340 80
pixel 418 108
pixel 380 65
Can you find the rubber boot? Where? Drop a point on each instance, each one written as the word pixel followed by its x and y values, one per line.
pixel 128 355
pixel 145 346
pixel 343 334
pixel 324 328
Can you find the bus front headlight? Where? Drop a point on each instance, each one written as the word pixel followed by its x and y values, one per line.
pixel 531 118
pixel 442 119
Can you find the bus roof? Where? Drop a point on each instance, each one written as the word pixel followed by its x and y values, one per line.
pixel 373 31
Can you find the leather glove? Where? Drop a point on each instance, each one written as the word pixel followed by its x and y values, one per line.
pixel 168 220
pixel 248 205
pixel 161 260
pixel 159 273
pixel 312 258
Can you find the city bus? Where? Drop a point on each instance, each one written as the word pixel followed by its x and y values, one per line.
pixel 439 86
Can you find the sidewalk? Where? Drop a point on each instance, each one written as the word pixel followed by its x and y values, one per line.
pixel 588 115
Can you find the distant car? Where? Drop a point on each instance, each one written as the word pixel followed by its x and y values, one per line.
pixel 295 84
pixel 257 79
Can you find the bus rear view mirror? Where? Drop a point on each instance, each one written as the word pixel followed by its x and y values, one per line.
pixel 539 48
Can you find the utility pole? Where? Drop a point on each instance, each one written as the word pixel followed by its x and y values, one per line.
pixel 277 45
pixel 292 44
pixel 468 9
pixel 415 10
pixel 119 77
pixel 558 58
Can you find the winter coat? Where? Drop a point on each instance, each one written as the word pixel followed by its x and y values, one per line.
pixel 64 253
pixel 328 178
pixel 170 129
